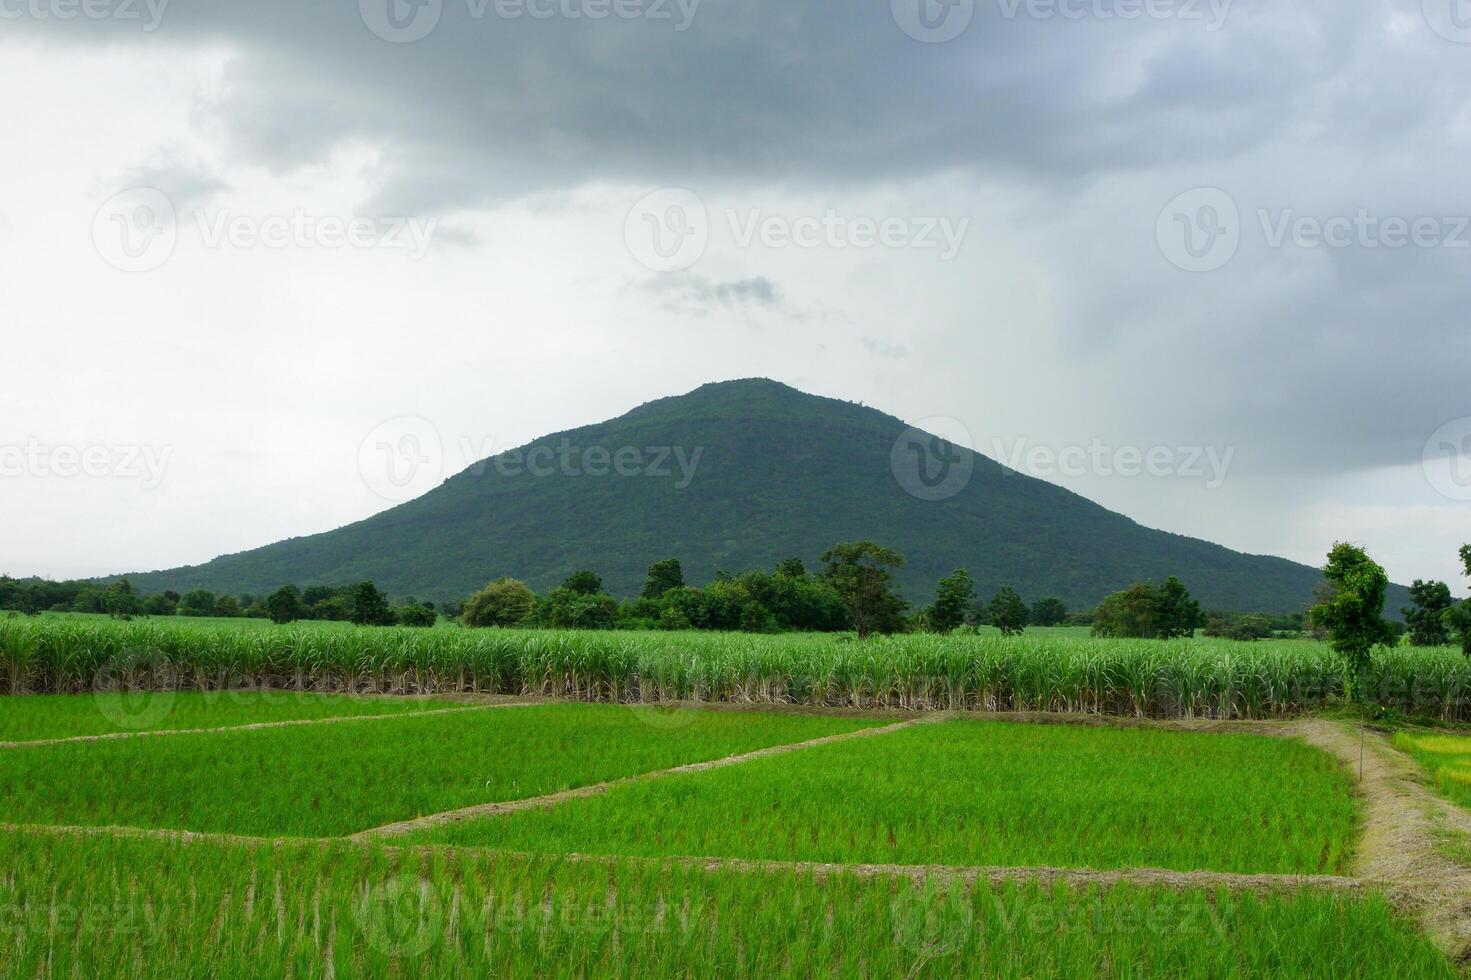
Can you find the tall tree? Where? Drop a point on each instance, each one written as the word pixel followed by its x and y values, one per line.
pixel 663 576
pixel 953 596
pixel 584 583
pixel 370 606
pixel 1175 613
pixel 1008 612
pixel 1048 612
pixel 284 605
pixel 791 568
pixel 1458 618
pixel 120 600
pixel 1351 607
pixel 862 574
pixel 1426 619
pixel 504 602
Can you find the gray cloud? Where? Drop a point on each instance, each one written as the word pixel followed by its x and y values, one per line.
pixel 687 290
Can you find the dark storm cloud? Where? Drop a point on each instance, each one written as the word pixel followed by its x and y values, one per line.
pixel 485 105
pixel 1321 359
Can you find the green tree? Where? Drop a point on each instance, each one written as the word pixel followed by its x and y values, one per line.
pixel 565 608
pixel 504 602
pixel 1007 612
pixel 1048 612
pixel 791 568
pixel 663 576
pixel 284 605
pixel 1129 613
pixel 1351 606
pixel 1458 618
pixel 227 607
pixel 416 614
pixel 159 604
pixel 369 606
pixel 861 572
pixel 953 596
pixel 1175 613
pixel 197 602
pixel 584 583
pixel 120 600
pixel 1426 619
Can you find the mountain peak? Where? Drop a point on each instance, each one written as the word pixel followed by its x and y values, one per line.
pixel 736 475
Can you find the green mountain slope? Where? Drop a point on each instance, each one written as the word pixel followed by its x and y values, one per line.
pixel 778 473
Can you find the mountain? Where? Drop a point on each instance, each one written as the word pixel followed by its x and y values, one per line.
pixel 755 472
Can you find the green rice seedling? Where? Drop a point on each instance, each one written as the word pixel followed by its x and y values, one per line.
pixel 49 716
pixel 977 793
pixel 1446 757
pixel 323 780
pixel 103 906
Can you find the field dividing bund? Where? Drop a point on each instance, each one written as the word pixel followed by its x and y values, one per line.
pixel 536 802
pixel 262 725
pixel 332 780
pixel 111 906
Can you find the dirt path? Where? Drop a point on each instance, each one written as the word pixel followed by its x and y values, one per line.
pixel 1411 834
pixel 259 725
pixel 596 789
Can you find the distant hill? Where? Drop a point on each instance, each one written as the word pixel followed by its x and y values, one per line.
pixel 779 473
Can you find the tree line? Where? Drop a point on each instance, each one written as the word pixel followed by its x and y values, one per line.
pixel 853 590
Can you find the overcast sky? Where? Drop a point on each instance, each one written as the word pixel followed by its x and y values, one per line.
pixel 239 241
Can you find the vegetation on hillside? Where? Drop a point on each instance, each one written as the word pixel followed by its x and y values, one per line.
pixel 767 472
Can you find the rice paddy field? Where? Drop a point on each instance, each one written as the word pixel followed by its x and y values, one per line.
pixel 1446 757
pixel 331 780
pixel 112 907
pixel 37 717
pixel 971 793
pixel 1187 678
pixel 373 835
